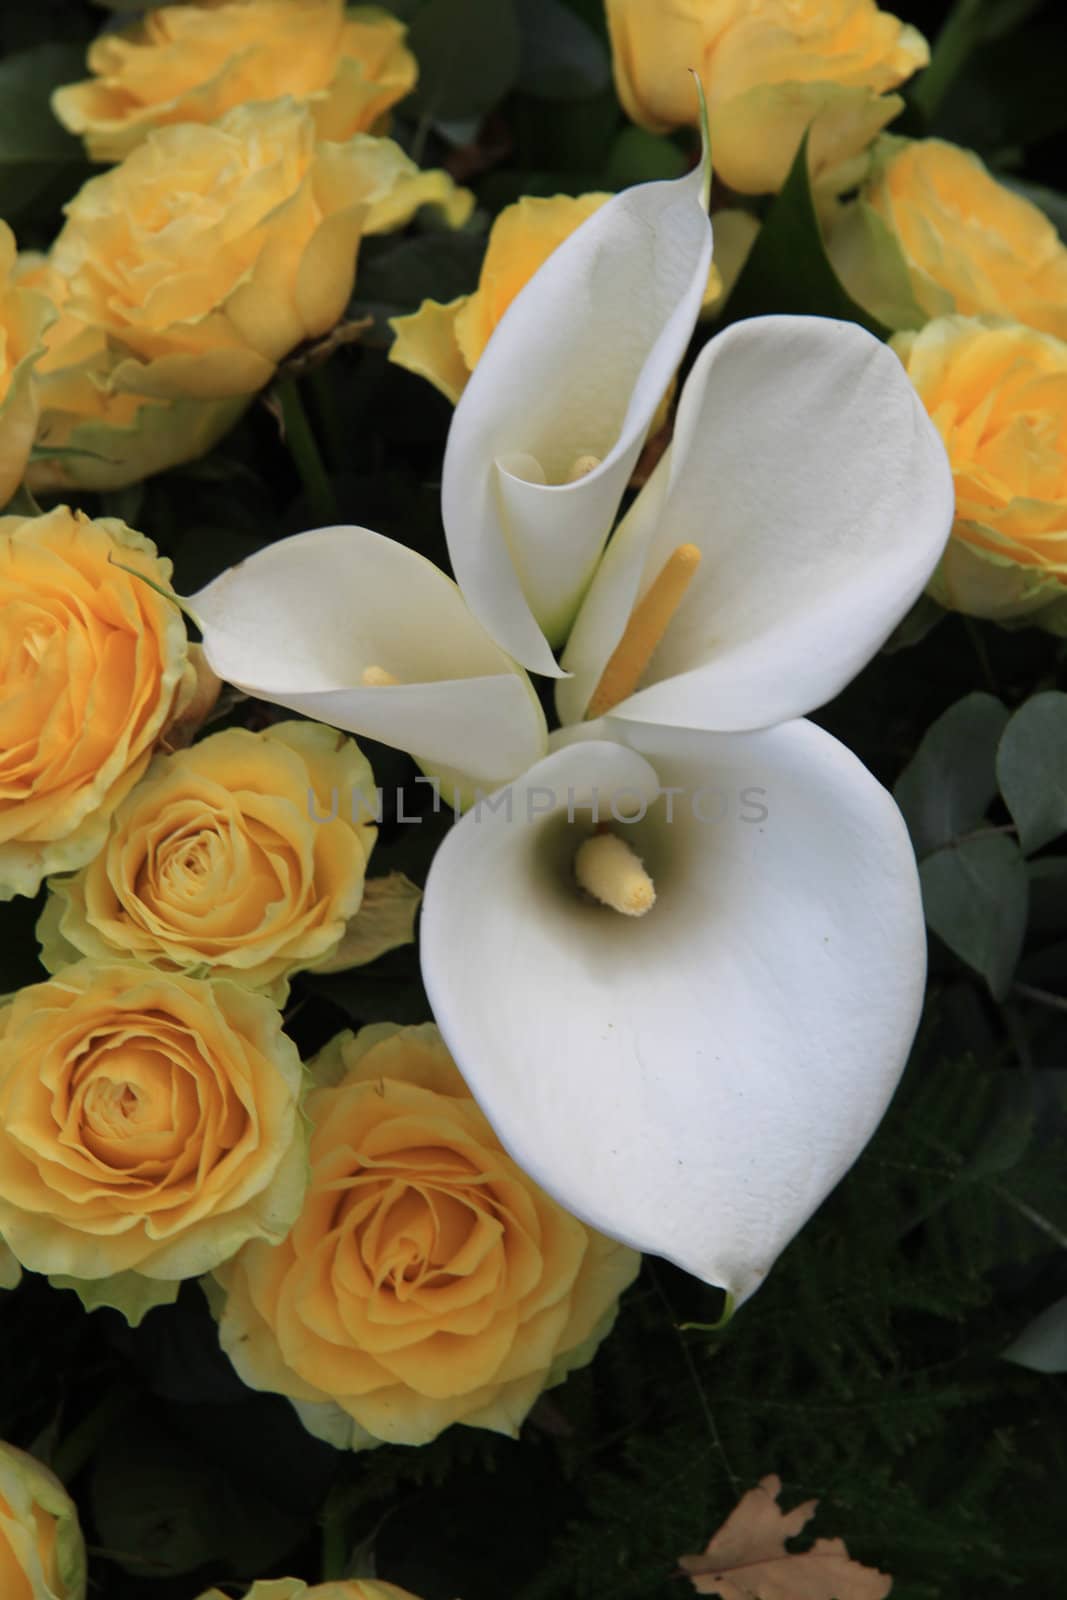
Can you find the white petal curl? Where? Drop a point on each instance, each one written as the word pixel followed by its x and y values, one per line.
pixel 808 473
pixel 696 1080
pixel 576 367
pixel 299 622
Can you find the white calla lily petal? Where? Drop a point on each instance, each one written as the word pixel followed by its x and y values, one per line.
pixel 693 1081
pixel 573 373
pixel 805 469
pixel 301 621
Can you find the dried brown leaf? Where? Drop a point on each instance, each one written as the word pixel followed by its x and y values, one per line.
pixel 747 1558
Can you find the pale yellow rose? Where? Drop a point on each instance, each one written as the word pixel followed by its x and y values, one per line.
pixel 444 342
pixel 90 435
pixel 42 1553
pixel 190 270
pixel 24 316
pixel 771 69
pixel 93 666
pixel 149 1123
pixel 428 1280
pixel 997 392
pixel 242 857
pixel 297 1589
pixel 195 61
pixel 967 243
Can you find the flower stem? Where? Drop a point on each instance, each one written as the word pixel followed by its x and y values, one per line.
pixel 305 452
pixel 333 1521
pixel 962 31
pixel 81 1443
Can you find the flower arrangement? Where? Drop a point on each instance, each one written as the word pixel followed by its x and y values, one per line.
pixel 533 800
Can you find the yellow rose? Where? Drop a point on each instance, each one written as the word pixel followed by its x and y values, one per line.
pixel 968 244
pixel 297 1589
pixel 771 69
pixel 997 393
pixel 149 1123
pixel 193 62
pixel 211 252
pixel 89 435
pixel 24 316
pixel 93 665
pixel 428 1280
pixel 242 857
pixel 42 1553
pixel 444 342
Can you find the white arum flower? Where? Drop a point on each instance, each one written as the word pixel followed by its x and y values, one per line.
pixel 804 471
pixel 798 512
pixel 550 425
pixel 685 1013
pixel 355 630
pixel 684 1027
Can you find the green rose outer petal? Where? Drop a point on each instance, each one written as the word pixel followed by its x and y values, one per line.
pixel 10 1270
pixel 866 256
pixel 18 410
pixel 99 455
pixel 25 1484
pixel 997 587
pixel 129 1293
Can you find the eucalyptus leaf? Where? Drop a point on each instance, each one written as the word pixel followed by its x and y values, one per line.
pixel 1032 769
pixel 637 156
pixel 1048 897
pixel 788 269
pixel 155 1507
pixel 468 55
pixel 976 896
pixel 561 57
pixel 947 786
pixel 434 266
pixel 1042 1345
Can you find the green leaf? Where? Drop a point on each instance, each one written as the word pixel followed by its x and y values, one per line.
pixel 1009 93
pixel 434 266
pixel 561 58
pixel 975 896
pixel 468 55
pixel 948 784
pixel 640 157
pixel 1032 769
pixel 129 1293
pixel 1048 897
pixel 1042 1345
pixel 37 155
pixel 387 990
pixel 788 269
pixel 922 619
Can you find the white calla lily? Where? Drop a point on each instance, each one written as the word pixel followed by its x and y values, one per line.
pixel 816 497
pixel 694 1080
pixel 549 427
pixel 351 628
